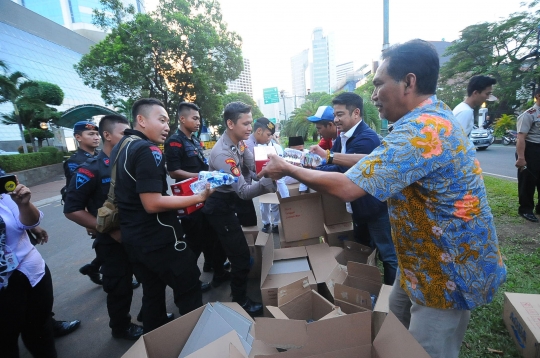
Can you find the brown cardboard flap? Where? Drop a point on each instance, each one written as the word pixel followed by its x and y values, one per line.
pixel 262 238
pixel 260 348
pixel 383 299
pixel 334 209
pixel 270 198
pixel 267 260
pixel 291 291
pixel 250 239
pixel 395 341
pixel 137 350
pixel 353 296
pixel 281 333
pixel 290 253
pixel 253 230
pixel 338 275
pixel 220 348
pixel 353 251
pixel 363 271
pixel 234 352
pixel 349 308
pixel 276 312
pixel 322 261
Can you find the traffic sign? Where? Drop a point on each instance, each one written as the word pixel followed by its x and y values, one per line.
pixel 271 95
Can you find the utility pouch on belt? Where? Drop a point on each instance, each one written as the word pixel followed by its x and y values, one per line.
pixel 107 216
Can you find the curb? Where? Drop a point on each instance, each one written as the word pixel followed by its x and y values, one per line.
pixel 43 202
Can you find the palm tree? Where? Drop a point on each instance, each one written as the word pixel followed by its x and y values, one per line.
pixel 298 125
pixel 11 90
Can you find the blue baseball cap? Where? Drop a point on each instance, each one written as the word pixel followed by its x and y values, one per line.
pixel 324 113
pixel 82 126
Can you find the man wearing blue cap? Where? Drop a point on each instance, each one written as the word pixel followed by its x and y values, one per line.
pixel 324 122
pixel 87 135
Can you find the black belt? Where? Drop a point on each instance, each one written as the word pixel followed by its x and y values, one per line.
pixel 532 143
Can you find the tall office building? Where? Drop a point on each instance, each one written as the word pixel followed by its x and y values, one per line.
pixel 299 65
pixel 343 70
pixel 43 51
pixel 243 82
pixel 324 63
pixel 76 15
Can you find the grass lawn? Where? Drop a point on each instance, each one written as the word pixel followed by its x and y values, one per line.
pixel 520 245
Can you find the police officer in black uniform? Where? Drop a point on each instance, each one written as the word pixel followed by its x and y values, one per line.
pixel 151 232
pixel 185 159
pixel 231 155
pixel 87 135
pixel 86 193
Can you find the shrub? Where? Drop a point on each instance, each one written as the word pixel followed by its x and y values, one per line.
pixel 507 121
pixel 29 147
pixel 48 150
pixel 15 163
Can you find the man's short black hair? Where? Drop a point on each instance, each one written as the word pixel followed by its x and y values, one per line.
pixel 479 83
pixel 141 106
pixel 234 110
pixel 351 101
pixel 537 91
pixel 326 123
pixel 108 122
pixel 182 106
pixel 418 57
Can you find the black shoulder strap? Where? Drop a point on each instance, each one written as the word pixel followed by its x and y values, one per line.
pixel 129 139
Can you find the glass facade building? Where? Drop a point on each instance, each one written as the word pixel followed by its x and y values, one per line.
pixel 324 64
pixel 43 60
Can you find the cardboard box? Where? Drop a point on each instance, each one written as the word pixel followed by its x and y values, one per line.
pixel 335 211
pixel 345 336
pixel 320 264
pixel 256 245
pixel 261 156
pixel 301 216
pixel 182 189
pixel 298 301
pixel 284 244
pixel 355 252
pixel 168 340
pixel 338 233
pixel 521 315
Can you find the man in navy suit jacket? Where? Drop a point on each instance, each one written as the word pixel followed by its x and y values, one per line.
pixel 370 216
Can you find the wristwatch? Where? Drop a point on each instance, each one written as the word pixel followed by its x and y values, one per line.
pixel 330 157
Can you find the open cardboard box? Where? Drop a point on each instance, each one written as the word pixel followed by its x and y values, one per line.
pixel 261 156
pixel 337 234
pixel 334 209
pixel 521 316
pixel 298 301
pixel 345 336
pixel 285 244
pixel 281 267
pixel 256 245
pixel 355 252
pixel 301 216
pixel 168 340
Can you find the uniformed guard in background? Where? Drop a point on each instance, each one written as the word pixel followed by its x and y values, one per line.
pixel 230 154
pixel 185 159
pixel 151 232
pixel 86 193
pixel 87 135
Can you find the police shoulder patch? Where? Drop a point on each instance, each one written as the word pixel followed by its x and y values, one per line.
pixel 175 144
pixel 234 169
pixel 531 111
pixel 81 179
pixel 156 152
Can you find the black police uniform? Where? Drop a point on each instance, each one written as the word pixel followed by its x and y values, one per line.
pixel 70 164
pixel 220 207
pixel 153 241
pixel 88 190
pixel 187 154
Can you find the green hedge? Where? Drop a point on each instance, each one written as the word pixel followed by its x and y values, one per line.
pixel 18 162
pixel 48 150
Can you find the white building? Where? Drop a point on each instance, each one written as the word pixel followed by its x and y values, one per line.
pixel 299 65
pixel 344 69
pixel 323 76
pixel 243 82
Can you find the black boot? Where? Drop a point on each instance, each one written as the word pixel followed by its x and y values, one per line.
pixel 62 328
pixel 132 333
pixel 92 272
pixel 254 309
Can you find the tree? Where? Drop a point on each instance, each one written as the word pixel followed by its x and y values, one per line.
pixel 243 97
pixel 40 134
pixel 505 50
pixel 298 124
pixel 181 52
pixel 11 90
pixel 123 106
pixel 371 113
pixel 33 105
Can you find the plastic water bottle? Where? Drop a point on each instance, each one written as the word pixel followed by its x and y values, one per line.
pixel 304 159
pixel 215 178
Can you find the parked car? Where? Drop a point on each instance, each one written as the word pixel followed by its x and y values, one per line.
pixel 481 138
pixel 3 152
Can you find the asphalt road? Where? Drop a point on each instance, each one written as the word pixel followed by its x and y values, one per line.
pixel 498 160
pixel 76 297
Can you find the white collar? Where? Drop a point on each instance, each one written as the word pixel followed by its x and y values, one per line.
pixel 350 132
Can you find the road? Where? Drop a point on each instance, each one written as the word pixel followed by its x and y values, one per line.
pixel 498 160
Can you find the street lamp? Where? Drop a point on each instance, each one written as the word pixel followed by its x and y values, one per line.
pixel 282 93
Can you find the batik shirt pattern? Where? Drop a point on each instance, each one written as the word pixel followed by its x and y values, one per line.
pixel 442 226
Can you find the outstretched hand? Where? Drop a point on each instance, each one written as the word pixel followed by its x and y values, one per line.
pixel 21 195
pixel 206 193
pixel 276 168
pixel 318 150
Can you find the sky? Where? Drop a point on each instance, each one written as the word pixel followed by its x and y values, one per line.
pixel 274 31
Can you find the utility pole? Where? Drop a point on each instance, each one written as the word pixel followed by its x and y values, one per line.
pixel 282 92
pixel 386 20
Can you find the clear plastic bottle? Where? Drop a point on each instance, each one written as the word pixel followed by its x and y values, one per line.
pixel 304 159
pixel 215 178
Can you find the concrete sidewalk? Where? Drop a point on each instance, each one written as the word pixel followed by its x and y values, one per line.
pixel 47 192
